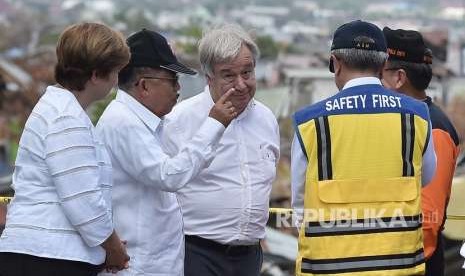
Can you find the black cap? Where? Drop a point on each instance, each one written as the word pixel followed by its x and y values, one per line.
pixel 149 48
pixel 407 45
pixel 359 35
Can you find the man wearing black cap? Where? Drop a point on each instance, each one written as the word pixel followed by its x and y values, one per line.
pixel 145 211
pixel 409 71
pixel 359 159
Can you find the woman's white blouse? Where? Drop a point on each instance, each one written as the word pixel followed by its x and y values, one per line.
pixel 62 182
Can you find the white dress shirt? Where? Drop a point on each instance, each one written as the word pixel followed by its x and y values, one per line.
pixel 146 213
pixel 62 182
pixel 228 201
pixel 299 162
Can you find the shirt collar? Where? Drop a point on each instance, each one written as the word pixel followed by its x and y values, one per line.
pixel 147 117
pixel 244 113
pixel 361 81
pixel 63 92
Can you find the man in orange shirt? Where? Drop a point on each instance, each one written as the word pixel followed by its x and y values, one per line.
pixel 409 72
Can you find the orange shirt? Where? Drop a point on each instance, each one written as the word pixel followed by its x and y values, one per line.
pixel 435 196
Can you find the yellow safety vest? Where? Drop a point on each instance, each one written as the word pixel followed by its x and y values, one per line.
pixel 362 192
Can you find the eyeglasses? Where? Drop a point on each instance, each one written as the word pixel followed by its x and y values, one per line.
pixel 174 81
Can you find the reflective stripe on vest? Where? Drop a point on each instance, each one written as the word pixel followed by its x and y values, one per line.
pixel 325 171
pixel 365 263
pixel 408 138
pixel 362 226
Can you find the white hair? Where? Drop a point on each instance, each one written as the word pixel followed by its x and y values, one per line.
pixel 223 43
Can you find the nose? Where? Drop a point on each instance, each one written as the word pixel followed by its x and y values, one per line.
pixel 240 83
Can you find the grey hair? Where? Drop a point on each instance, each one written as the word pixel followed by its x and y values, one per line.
pixel 222 43
pixel 361 59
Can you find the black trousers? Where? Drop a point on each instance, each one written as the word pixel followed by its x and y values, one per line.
pixel 435 264
pixel 208 258
pixel 13 264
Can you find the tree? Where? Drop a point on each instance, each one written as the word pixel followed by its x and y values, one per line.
pixel 269 49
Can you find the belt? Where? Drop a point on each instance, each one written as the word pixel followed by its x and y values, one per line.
pixel 227 249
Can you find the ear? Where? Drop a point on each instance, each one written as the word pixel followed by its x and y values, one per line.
pixel 209 80
pixel 337 64
pixel 142 89
pixel 401 78
pixel 93 77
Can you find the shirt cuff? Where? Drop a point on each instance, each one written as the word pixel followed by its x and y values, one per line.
pixel 97 231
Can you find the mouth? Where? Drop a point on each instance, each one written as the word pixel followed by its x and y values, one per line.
pixel 241 97
pixel 240 93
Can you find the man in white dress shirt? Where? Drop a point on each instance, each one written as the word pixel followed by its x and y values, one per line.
pixel 146 213
pixel 225 208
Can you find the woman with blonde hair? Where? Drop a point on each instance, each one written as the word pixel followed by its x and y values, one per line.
pixel 60 220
